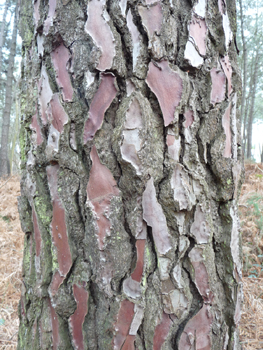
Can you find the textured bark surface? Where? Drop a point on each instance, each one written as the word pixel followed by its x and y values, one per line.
pixel 131 153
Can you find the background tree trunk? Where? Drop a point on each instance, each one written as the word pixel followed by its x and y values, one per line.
pixel 130 176
pixel 2 37
pixel 4 158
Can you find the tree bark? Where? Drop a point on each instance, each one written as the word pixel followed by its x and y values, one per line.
pixel 4 158
pixel 130 176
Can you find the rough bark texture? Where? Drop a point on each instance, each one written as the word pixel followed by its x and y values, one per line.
pixel 4 158
pixel 131 173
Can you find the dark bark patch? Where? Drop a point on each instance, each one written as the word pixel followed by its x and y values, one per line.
pixel 60 57
pixel 167 85
pixel 100 103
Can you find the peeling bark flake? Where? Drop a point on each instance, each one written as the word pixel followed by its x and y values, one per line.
pixel 152 18
pixel 227 68
pixel 167 85
pixel 60 57
pixel 137 273
pixel 57 114
pixel 45 94
pixel 218 86
pixel 192 55
pixel 55 327
pixel 200 8
pixel 226 125
pixel 51 12
pixel 197 31
pixel 161 332
pixel 77 319
pixel 36 127
pixel 135 34
pixel 196 334
pixel 154 216
pixel 201 274
pixel 124 320
pixel 58 224
pixel 100 189
pixel 98 28
pixel 200 228
pixel 100 103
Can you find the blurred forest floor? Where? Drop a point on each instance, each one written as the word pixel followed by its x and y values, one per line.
pixel 251 221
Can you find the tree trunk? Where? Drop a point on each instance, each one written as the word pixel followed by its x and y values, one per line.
pixel 130 176
pixel 254 79
pixel 4 159
pixel 2 38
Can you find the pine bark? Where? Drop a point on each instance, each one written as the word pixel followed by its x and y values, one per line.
pixel 131 171
pixel 4 158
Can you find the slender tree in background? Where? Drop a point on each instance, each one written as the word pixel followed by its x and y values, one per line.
pixel 2 37
pixel 130 175
pixel 4 157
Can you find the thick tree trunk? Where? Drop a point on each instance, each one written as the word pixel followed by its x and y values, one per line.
pixel 4 159
pixel 131 174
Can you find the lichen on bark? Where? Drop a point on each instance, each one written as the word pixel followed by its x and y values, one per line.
pixel 131 170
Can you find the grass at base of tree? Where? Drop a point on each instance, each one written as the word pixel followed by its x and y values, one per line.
pixel 250 205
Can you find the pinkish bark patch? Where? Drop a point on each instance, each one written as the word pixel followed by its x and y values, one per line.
pixel 58 223
pixel 57 115
pixel 189 118
pixel 154 216
pixel 174 146
pixel 135 34
pixel 98 28
pixel 196 334
pixel 60 57
pixel 101 188
pixel 218 86
pixel 226 125
pixel 167 85
pixel 100 103
pixel 201 274
pixel 56 282
pixel 51 12
pixel 197 30
pixel 200 228
pixel 134 116
pixel 137 273
pixel 124 320
pixel 45 94
pixel 152 18
pixel 161 332
pixel 36 127
pixel 55 327
pixel 37 234
pixel 77 319
pixel 227 68
pixel 129 343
